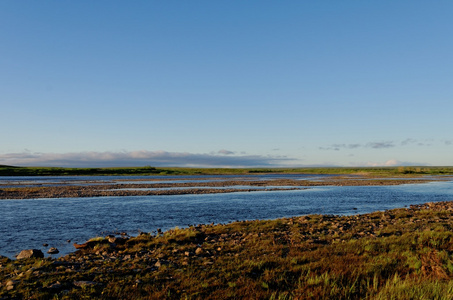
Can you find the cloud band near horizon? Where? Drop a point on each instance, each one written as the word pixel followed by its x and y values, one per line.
pixel 222 158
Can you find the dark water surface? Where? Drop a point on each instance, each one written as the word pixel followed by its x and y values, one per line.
pixel 26 224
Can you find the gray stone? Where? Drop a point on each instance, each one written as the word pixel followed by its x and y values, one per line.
pixel 35 253
pixel 55 286
pixel 53 250
pixel 160 263
pixel 117 240
pixel 83 283
pixel 10 284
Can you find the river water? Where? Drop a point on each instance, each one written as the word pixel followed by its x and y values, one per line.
pixel 26 224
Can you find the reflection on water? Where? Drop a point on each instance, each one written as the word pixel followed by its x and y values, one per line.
pixel 28 224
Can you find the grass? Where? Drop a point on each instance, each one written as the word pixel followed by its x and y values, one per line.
pixel 148 170
pixel 398 254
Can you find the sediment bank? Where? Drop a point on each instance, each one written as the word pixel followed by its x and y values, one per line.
pixel 99 189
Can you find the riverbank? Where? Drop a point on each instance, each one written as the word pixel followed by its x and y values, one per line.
pixel 401 253
pixel 208 185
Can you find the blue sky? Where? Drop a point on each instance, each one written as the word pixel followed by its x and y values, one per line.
pixel 226 83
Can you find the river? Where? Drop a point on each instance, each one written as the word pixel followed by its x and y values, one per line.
pixel 26 224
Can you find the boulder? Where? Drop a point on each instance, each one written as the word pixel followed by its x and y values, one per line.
pixel 117 240
pixel 10 284
pixel 35 253
pixel 3 259
pixel 53 250
pixel 90 244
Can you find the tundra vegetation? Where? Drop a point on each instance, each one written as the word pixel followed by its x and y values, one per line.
pixel 149 170
pixel 404 253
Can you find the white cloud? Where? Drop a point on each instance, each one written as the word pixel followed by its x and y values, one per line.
pixel 225 152
pixel 374 145
pixel 380 145
pixel 393 163
pixel 224 158
pixel 388 163
pixel 408 141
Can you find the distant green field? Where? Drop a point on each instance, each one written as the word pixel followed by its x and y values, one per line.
pixel 148 170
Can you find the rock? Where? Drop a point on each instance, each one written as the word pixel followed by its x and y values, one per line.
pixel 3 259
pixel 55 286
pixel 90 244
pixel 117 240
pixel 35 253
pixel 111 238
pixel 161 256
pixel 80 246
pixel 160 263
pixel 10 284
pixel 53 250
pixel 45 245
pixel 84 283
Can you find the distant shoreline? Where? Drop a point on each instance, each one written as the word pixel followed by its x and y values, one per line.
pixel 149 170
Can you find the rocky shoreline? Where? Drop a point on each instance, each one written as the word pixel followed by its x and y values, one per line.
pixel 288 257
